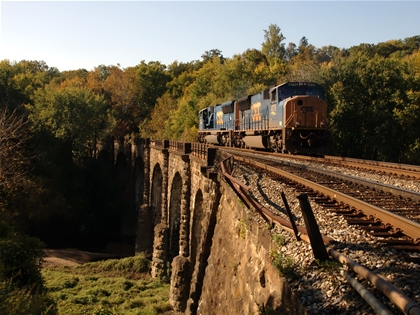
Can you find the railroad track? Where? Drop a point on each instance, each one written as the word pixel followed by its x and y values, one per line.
pixel 393 169
pixel 386 212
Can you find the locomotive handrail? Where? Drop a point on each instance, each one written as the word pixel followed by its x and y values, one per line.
pixel 291 118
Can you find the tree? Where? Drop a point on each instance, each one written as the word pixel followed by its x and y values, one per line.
pixel 303 66
pixel 14 163
pixel 272 46
pixel 72 113
pixel 290 51
pixel 303 43
pixel 151 81
pixel 208 55
pixel 326 53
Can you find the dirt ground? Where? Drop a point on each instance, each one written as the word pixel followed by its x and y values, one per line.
pixel 73 257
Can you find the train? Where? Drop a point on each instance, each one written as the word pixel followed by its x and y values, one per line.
pixel 287 118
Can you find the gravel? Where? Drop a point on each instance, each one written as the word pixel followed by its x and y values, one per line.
pixel 322 287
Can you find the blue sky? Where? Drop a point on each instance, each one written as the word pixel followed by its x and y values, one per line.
pixel 84 34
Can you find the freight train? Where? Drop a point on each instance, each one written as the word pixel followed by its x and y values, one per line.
pixel 288 118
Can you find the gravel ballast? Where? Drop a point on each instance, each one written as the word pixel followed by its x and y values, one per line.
pixel 322 287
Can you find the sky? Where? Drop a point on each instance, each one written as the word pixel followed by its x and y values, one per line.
pixel 71 35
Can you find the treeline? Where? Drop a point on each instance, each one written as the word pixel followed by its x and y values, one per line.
pixel 51 122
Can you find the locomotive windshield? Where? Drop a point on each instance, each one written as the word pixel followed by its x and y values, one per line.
pixel 291 89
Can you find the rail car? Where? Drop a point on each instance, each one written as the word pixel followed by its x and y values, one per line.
pixel 288 118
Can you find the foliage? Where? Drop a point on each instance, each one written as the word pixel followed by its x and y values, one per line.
pixel 20 258
pixel 273 46
pixel 279 239
pixel 117 286
pixel 18 301
pixel 14 160
pixel 283 263
pixel 71 113
pixel 365 93
pixel 21 283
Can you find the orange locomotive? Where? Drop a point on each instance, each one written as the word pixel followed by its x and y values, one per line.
pixel 288 118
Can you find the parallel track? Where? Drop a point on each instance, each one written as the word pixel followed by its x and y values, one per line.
pixel 403 231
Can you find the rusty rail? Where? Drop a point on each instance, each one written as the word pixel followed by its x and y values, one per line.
pixel 267 214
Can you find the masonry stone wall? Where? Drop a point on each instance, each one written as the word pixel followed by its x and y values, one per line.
pixel 221 263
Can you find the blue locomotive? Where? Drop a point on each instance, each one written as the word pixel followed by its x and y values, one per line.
pixel 288 118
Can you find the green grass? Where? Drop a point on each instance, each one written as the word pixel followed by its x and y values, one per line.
pixel 112 287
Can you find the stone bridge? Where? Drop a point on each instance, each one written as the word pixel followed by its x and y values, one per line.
pixel 183 215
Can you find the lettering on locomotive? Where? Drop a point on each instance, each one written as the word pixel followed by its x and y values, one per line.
pixel 307 109
pixel 255 109
pixel 219 118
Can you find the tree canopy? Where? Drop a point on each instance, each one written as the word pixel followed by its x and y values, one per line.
pixel 62 118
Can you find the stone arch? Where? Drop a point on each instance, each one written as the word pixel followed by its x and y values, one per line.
pixel 120 172
pixel 156 195
pixel 138 175
pixel 174 216
pixel 196 226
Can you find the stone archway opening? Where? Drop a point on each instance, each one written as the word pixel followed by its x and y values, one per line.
pixel 196 227
pixel 138 182
pixel 174 217
pixel 156 196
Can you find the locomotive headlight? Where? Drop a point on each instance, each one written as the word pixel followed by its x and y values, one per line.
pixel 297 124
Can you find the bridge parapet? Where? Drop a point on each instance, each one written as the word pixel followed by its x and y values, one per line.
pixel 199 150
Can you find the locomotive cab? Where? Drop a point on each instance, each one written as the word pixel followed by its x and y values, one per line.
pixel 206 118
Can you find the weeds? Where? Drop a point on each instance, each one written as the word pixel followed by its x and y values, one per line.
pixel 331 268
pixel 112 287
pixel 279 239
pixel 242 228
pixel 283 263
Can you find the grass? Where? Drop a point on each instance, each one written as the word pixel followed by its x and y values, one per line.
pixel 243 230
pixel 283 263
pixel 112 287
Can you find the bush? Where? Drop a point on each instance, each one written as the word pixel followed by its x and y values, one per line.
pixel 21 282
pixel 20 258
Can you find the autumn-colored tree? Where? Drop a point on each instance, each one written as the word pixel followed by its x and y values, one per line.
pixel 303 66
pixel 120 87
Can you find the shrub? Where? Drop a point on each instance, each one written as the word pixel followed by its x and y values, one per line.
pixel 21 283
pixel 20 258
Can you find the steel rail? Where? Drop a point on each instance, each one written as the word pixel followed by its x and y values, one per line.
pixel 412 171
pixel 396 191
pixel 384 167
pixel 387 165
pixel 407 227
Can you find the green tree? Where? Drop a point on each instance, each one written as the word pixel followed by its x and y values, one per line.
pixel 72 113
pixel 364 93
pixel 151 81
pixel 208 55
pixel 273 46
